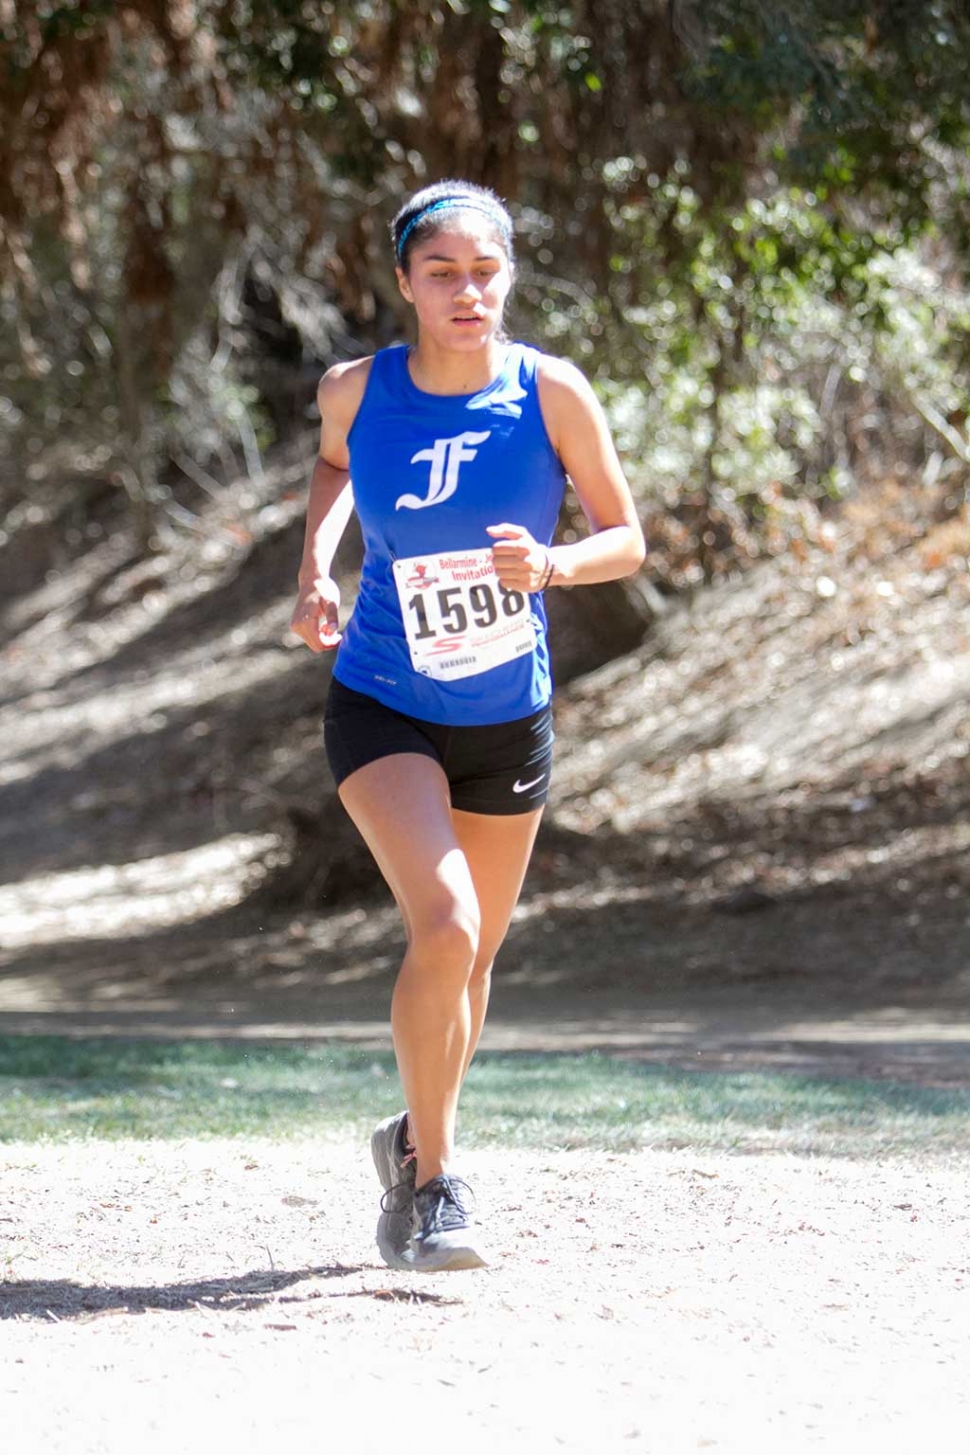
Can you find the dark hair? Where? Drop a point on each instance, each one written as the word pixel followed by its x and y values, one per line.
pixel 430 209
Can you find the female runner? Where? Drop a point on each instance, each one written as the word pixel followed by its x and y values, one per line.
pixel 438 723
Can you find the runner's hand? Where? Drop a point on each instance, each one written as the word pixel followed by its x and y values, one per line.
pixel 521 563
pixel 315 619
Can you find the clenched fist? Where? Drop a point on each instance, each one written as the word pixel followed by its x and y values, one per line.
pixel 315 616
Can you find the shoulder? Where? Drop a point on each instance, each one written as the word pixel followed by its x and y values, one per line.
pixel 560 374
pixel 566 396
pixel 341 390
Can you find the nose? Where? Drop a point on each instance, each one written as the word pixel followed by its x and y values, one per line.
pixel 467 288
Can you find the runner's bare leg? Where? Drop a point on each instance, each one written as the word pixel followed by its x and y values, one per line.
pixel 497 848
pixel 402 808
pixel 456 877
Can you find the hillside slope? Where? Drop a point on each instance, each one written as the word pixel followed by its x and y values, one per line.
pixel 771 793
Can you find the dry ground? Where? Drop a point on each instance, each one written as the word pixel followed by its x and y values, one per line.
pixel 164 1298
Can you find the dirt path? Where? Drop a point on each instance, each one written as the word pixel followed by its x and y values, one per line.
pixel 163 1297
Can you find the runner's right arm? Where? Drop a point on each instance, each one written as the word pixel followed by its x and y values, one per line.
pixel 315 616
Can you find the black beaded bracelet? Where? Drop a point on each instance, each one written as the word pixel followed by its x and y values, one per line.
pixel 549 570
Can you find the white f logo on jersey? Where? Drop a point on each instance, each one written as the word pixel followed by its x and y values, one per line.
pixel 446 457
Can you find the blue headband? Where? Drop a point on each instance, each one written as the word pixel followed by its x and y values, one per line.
pixel 468 203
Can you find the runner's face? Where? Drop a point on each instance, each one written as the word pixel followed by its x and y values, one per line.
pixel 458 280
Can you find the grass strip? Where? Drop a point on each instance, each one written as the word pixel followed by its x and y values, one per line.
pixel 60 1088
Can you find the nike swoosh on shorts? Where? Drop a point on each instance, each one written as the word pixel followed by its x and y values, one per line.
pixel 518 787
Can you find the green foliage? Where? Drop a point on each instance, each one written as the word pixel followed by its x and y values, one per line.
pixel 736 217
pixel 726 328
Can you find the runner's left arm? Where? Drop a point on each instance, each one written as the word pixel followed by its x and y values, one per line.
pixel 580 436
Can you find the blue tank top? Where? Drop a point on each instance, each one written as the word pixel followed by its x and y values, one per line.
pixel 429 473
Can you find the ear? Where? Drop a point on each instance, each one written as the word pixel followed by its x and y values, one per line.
pixel 404 285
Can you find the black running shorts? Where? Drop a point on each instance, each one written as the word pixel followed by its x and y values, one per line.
pixel 498 769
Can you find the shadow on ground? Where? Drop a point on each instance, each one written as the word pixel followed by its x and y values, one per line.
pixel 60 1300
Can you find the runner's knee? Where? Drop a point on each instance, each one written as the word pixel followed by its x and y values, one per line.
pixel 446 936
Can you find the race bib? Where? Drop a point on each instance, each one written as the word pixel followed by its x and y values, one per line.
pixel 458 619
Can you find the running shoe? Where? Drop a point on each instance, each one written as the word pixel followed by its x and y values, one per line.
pixel 444 1236
pixel 396 1164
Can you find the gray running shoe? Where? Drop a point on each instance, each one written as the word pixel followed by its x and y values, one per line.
pixel 444 1236
pixel 396 1166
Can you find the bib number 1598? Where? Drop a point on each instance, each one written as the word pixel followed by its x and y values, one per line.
pixel 456 606
pixel 458 618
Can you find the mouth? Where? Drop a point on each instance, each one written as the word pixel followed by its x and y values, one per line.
pixel 466 319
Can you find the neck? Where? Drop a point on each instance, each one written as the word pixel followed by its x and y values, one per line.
pixel 436 370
